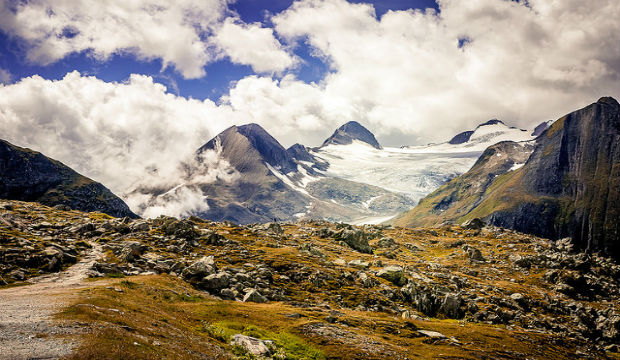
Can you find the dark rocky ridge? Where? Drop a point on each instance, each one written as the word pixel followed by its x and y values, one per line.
pixel 569 187
pixel 541 128
pixel 461 137
pixel 350 131
pixel 31 176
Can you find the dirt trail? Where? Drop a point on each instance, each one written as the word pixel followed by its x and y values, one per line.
pixel 27 330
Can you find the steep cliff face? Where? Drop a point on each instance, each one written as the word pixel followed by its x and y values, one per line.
pixel 577 164
pixel 570 186
pixel 31 176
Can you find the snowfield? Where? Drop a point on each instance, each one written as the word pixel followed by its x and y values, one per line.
pixel 415 171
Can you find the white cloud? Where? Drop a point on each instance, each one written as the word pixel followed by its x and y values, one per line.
pixel 183 195
pixel 251 44
pixel 185 34
pixel 170 30
pixel 405 74
pixel 115 133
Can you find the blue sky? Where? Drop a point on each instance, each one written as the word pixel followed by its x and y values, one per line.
pixel 219 75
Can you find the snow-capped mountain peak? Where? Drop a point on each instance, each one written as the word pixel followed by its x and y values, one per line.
pixel 350 132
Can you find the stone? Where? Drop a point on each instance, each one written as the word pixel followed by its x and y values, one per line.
pixel 366 280
pixel 203 267
pixel 393 274
pixel 17 275
pixel 432 334
pixel 180 228
pixel 229 294
pixel 451 306
pixel 474 224
pixel 215 281
pixel 360 264
pixel 386 242
pixel 614 348
pixel 140 225
pixel 356 239
pixel 131 251
pixel 254 296
pixel 251 345
pixel 473 253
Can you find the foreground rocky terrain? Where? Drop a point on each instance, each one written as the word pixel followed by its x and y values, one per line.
pixel 198 289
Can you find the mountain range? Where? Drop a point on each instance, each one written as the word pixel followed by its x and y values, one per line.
pixel 350 178
pixel 564 184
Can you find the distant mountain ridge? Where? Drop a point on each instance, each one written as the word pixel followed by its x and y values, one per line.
pixel 31 176
pixel 569 186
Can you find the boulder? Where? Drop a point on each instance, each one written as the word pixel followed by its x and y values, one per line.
pixel 131 251
pixel 474 224
pixel 180 228
pixel 451 306
pixel 393 274
pixel 251 345
pixel 215 281
pixel 199 269
pixel 360 264
pixel 473 253
pixel 356 239
pixel 254 296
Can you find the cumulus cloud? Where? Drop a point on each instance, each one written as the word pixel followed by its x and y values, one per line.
pixel 171 31
pixel 254 45
pixel 405 73
pixel 186 34
pixel 116 133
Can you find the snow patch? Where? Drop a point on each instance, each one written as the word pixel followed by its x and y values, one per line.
pixel 516 166
pixel 286 180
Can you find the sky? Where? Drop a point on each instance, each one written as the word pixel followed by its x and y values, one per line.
pixel 116 88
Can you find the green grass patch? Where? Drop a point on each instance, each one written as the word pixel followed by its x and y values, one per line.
pixel 287 346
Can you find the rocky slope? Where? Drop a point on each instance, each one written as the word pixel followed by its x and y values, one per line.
pixel 317 290
pixel 569 186
pixel 31 176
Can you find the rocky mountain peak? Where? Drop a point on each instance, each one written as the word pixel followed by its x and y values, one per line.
pixel 236 141
pixel 350 131
pixel 492 122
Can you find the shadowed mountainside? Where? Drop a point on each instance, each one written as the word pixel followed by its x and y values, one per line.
pixel 31 176
pixel 569 186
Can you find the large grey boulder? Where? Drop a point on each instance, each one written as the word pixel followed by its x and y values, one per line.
pixel 215 281
pixel 251 345
pixel 356 239
pixel 451 306
pixel 393 274
pixel 254 296
pixel 198 270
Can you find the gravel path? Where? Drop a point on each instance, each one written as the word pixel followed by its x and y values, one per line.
pixel 27 330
